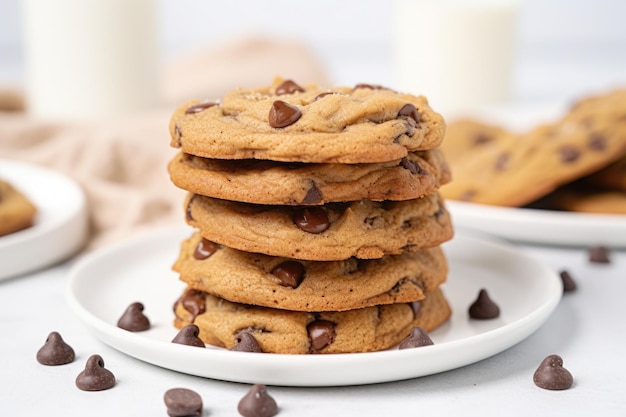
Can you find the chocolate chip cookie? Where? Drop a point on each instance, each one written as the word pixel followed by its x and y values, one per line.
pixel 516 172
pixel 293 123
pixel 335 231
pixel 17 212
pixel 367 329
pixel 289 284
pixel 291 183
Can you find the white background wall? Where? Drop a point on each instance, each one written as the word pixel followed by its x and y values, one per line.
pixel 353 36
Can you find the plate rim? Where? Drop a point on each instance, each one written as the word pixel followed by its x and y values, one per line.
pixel 119 339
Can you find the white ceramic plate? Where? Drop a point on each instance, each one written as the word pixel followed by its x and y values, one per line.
pixel 540 226
pixel 60 227
pixel 104 283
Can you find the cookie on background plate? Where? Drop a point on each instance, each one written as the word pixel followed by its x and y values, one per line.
pixel 335 231
pixel 291 183
pixel 16 210
pixel 284 283
pixel 292 123
pixel 279 331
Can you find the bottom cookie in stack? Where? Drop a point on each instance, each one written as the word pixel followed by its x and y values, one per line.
pixel 295 306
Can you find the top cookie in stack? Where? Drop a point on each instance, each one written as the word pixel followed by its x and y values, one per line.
pixel 296 175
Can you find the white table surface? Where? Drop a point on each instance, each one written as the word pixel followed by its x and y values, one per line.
pixel 586 330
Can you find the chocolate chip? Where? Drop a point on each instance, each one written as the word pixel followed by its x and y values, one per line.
pixel 283 114
pixel 409 110
pixel 417 338
pixel 481 138
pixel 288 87
pixel 415 306
pixel 599 254
pixel 311 219
pixel 483 308
pixel 246 343
pixel 569 153
pixel 188 213
pixel 197 108
pixel 193 301
pixel 313 196
pixel 321 334
pixel 568 282
pixel 551 375
pixel 179 135
pixel 502 161
pixel 369 86
pixel 257 403
pixel 289 273
pixel 205 249
pixel 597 142
pixel 133 319
pixel 188 335
pixel 182 402
pixel 55 351
pixel 95 377
pixel 412 166
pixel 324 94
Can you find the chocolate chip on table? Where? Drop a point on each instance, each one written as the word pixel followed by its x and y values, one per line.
pixel 182 402
pixel 188 335
pixel 257 403
pixel 417 338
pixel 283 114
pixel 599 254
pixel 133 319
pixel 289 273
pixel 95 377
pixel 311 219
pixel 568 282
pixel 246 343
pixel 197 108
pixel 55 351
pixel 288 87
pixel 205 249
pixel 551 375
pixel 483 308
pixel 321 333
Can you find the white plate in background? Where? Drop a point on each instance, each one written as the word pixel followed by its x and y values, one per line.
pixel 60 228
pixel 105 282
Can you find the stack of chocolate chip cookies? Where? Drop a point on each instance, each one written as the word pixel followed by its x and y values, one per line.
pixel 317 215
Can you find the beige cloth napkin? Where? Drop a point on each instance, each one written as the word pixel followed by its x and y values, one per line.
pixel 121 163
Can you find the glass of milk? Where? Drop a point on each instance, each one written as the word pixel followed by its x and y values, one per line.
pixel 460 54
pixel 87 60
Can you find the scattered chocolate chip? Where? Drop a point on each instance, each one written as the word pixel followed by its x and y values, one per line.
pixel 483 308
pixel 55 351
pixel 246 343
pixel 417 338
pixel 569 153
pixel 205 249
pixel 415 306
pixel 289 273
pixel 311 219
pixel 193 301
pixel 313 196
pixel 597 142
pixel 599 254
pixel 283 114
pixel 133 319
pixel 568 282
pixel 288 87
pixel 182 402
pixel 257 403
pixel 502 161
pixel 409 110
pixel 412 166
pixel 551 375
pixel 95 377
pixel 197 108
pixel 324 94
pixel 188 335
pixel 321 333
